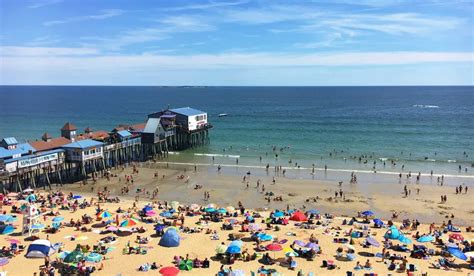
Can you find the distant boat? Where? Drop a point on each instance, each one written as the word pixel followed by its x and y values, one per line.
pixel 222 115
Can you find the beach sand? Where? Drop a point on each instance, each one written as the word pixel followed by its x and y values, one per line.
pixel 227 189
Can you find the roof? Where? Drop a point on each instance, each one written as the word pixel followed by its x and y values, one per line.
pixel 46 136
pixel 10 141
pixel 54 143
pixel 20 149
pixel 168 116
pixel 96 135
pixel 69 126
pixel 84 144
pixel 88 129
pixel 151 125
pixel 138 127
pixel 187 111
pixel 124 133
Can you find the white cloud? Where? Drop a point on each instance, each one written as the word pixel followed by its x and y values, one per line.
pixel 44 52
pixel 104 15
pixel 44 40
pixel 209 5
pixel 40 4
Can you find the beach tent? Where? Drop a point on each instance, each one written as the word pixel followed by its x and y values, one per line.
pixel 170 238
pixel 392 233
pixel 278 214
pixel 39 249
pixel 298 216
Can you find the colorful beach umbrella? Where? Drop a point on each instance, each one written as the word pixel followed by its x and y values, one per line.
pixel 169 271
pixel 105 214
pixel 186 265
pixel 128 222
pixel 221 249
pixel 291 254
pixel 233 249
pixel 8 229
pixel 238 243
pixel 312 245
pixel 456 236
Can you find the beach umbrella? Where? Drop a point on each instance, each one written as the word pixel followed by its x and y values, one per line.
pixel 264 237
pixel 313 212
pixel 456 252
pixel 254 227
pixel 174 205
pixel 300 243
pixel 278 214
pixel 367 213
pixel 147 208
pixel 76 196
pixel 238 243
pixel 209 210
pixel 230 209
pixel 58 219
pixel 166 214
pixel 378 221
pixel 8 229
pixel 425 238
pixel 186 265
pixel 221 249
pixel 6 218
pixel 291 254
pixel 233 249
pixel 4 261
pixel 169 271
pixel 456 236
pixel 274 247
pixel 38 226
pixel 150 213
pixel 128 222
pixel 372 241
pixel 94 257
pixel 105 214
pixel 312 245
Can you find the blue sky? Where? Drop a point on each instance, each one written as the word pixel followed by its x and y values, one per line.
pixel 236 42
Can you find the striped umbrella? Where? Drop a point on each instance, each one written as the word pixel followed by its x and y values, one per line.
pixel 128 222
pixel 105 214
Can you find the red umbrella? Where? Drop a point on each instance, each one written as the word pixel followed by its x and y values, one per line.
pixel 298 216
pixel 169 271
pixel 274 247
pixel 456 236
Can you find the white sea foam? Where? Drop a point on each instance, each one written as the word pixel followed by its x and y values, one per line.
pixel 425 106
pixel 173 152
pixel 451 161
pixel 217 155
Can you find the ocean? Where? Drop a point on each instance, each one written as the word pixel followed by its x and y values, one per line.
pixel 422 128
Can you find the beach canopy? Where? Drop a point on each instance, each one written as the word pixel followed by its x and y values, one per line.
pixel 170 238
pixel 209 209
pixel 392 233
pixel 39 249
pixel 425 238
pixel 367 213
pixel 456 252
pixel 6 229
pixel 169 271
pixel 298 216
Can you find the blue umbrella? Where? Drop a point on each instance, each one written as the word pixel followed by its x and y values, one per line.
pixel 313 212
pixel 6 218
pixel 76 196
pixel 58 219
pixel 378 221
pixel 209 210
pixel 456 252
pixel 426 238
pixel 233 250
pixel 367 213
pixel 166 214
pixel 237 243
pixel 278 214
pixel 265 237
pixel 159 227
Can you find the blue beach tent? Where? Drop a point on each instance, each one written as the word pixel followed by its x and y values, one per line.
pixel 392 233
pixel 6 229
pixel 170 238
pixel 39 249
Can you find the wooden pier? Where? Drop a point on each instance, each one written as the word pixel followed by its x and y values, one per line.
pixel 74 156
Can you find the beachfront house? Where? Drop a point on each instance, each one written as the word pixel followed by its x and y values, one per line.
pixel 121 147
pixel 10 148
pixel 189 118
pixel 84 157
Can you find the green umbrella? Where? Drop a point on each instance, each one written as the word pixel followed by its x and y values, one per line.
pixel 75 256
pixel 186 265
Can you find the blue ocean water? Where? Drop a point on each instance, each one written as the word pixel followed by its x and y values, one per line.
pixel 425 128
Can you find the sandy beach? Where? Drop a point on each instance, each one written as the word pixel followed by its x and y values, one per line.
pixel 227 190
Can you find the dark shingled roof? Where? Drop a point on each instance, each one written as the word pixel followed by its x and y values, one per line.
pixel 69 126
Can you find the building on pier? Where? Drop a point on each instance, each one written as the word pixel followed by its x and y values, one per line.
pixel 84 157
